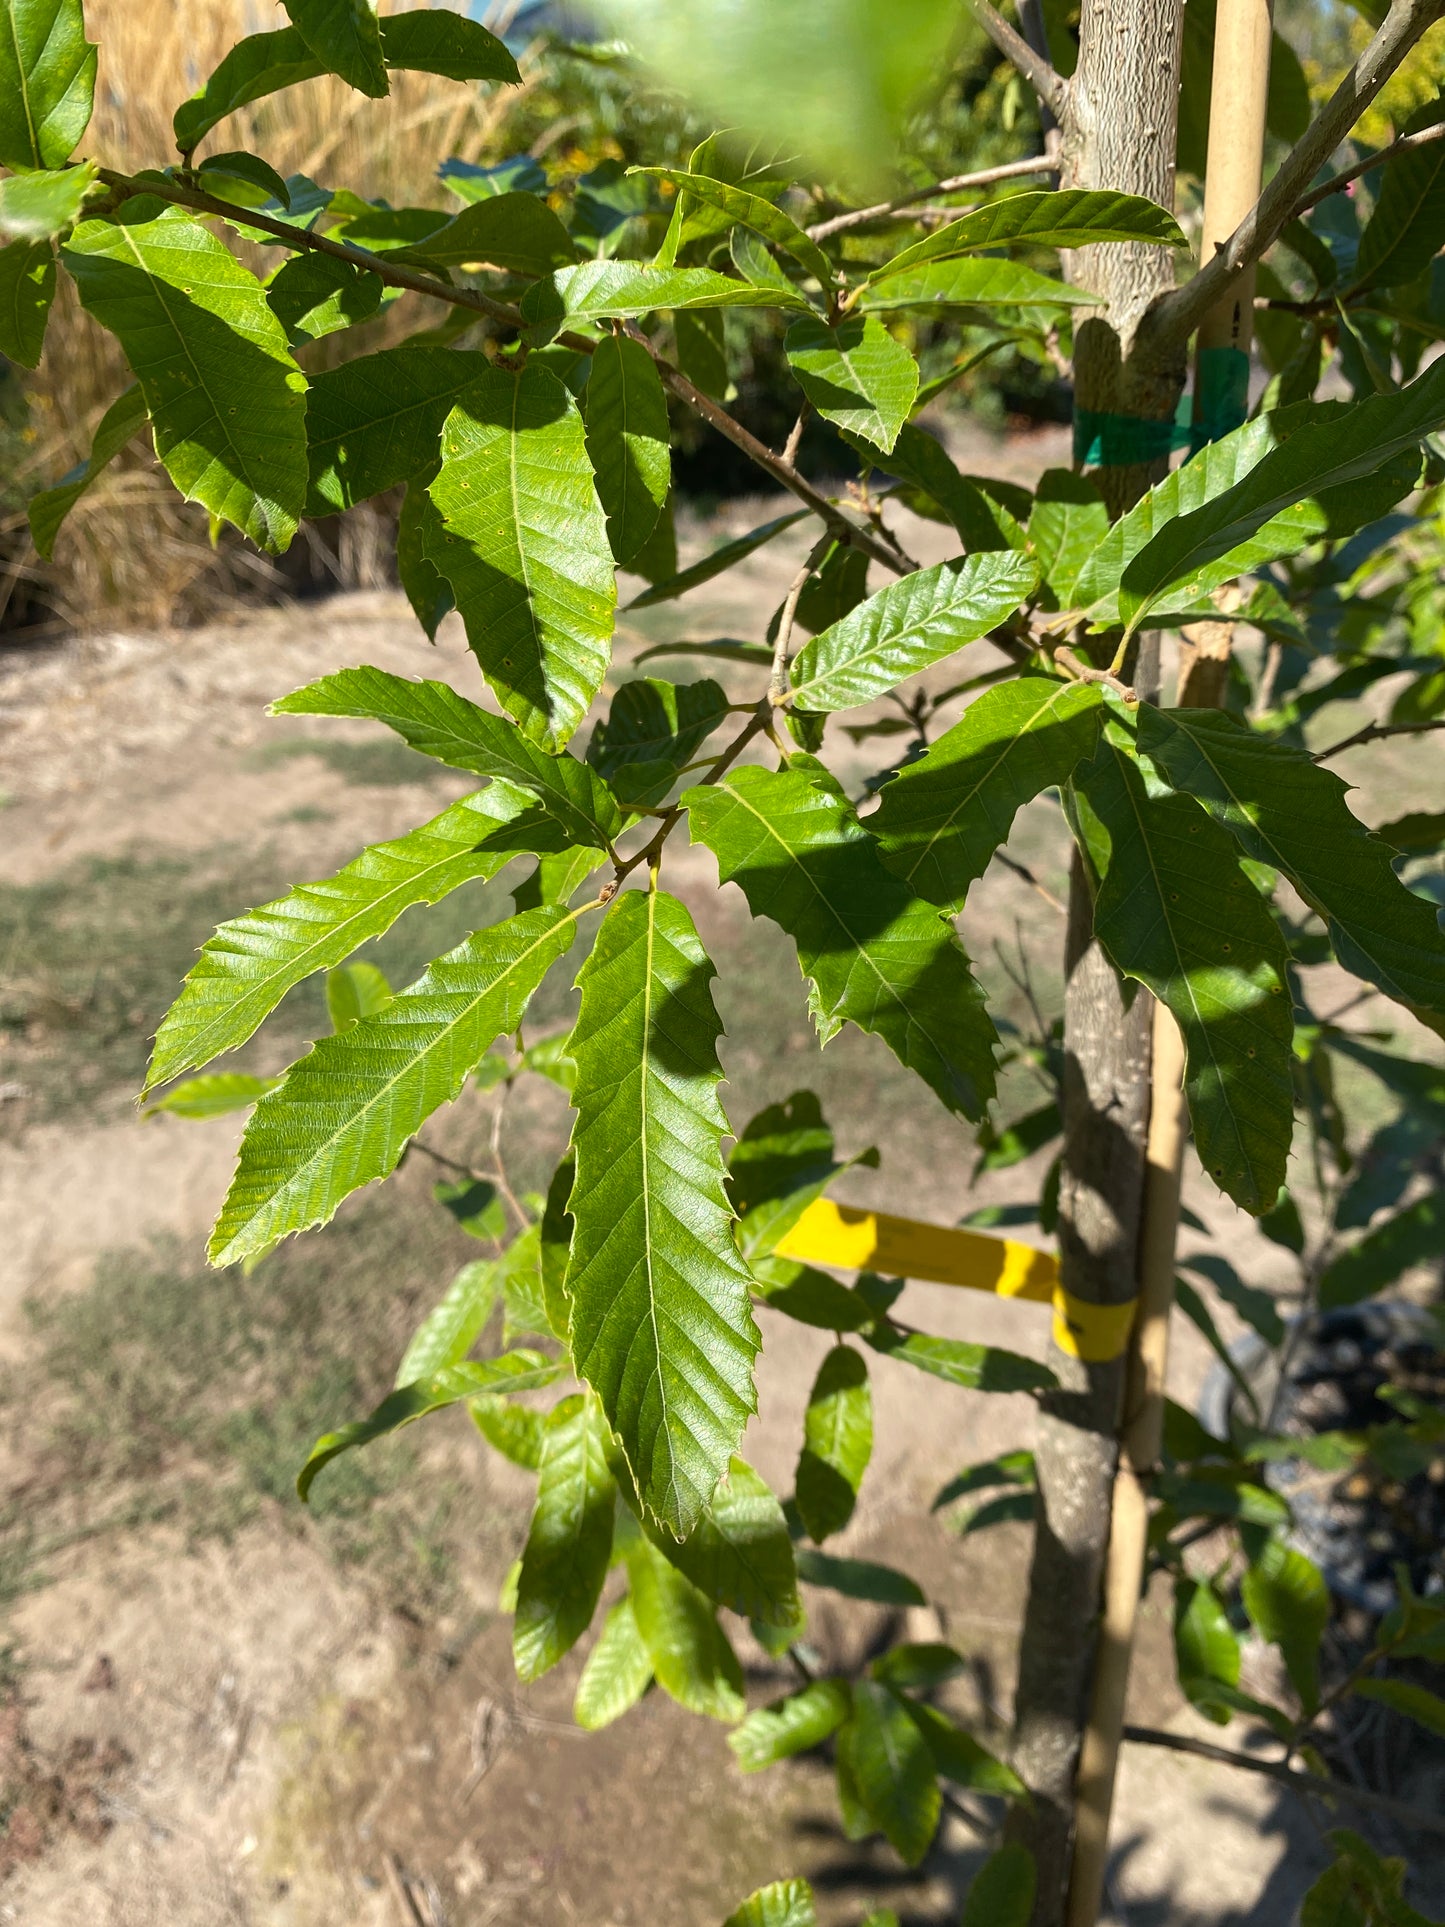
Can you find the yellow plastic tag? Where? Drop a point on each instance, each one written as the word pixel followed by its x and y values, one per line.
pixel 854 1240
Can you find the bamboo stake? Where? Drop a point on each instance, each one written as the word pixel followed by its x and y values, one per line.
pixel 1138 1452
pixel 1234 170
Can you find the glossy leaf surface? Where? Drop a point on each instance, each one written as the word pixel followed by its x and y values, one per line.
pixel 661 1327
pixel 874 955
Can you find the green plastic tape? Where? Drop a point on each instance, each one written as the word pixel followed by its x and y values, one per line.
pixel 1219 406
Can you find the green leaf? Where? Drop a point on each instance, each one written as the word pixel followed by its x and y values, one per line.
pixel 724 557
pixel 1330 446
pixel 35 206
pixel 875 955
pixel 226 401
pixel 1067 523
pixel 246 180
pixel 376 420
pixel 452 1327
pixel 922 462
pixel 783 1903
pixel 1313 504
pixel 1002 1894
pixel 777 1904
pixel 213 1096
pixel 475 1204
pixel 739 1553
pixel 972 284
pixel 627 443
pixel 1206 1647
pixel 808 1295
pixel 435 40
pixel 1412 1237
pixel 47 81
pixel 855 374
pixel 837 1443
pixel 1407 228
pixel 919 1666
pixel 620 290
pixel 120 423
pixel 689 1651
pixel 436 721
pixel 426 588
pixel 345 1113
pixel 791 1726
pixel 1289 1604
pixel 569 1542
pixel 859 1579
pixel 974 1368
pixel 749 210
pixel 908 626
pixel 345 37
pixel 472 183
pixel 354 991
pixel 652 729
pixel 431 40
pixel 248 966
pixel 518 1371
pixel 1175 912
pixel 523 1296
pixel 27 289
pixel 894 1771
pixel 836 588
pixel 959 1757
pixel 661 1327
pixel 781 1162
pixel 516 232
pixel 1070 218
pixel 525 547
pixel 259 65
pixel 312 295
pixel 1288 812
pixel 617 1674
pixel 941 818
pixel 513 1430
pixel 1416 1702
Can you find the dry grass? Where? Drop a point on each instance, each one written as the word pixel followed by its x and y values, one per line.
pixel 132 550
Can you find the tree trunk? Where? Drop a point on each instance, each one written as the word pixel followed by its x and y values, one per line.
pixel 1119 130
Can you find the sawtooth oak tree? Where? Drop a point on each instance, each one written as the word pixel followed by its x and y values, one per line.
pixel 529 418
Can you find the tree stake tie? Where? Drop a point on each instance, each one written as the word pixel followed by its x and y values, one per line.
pixel 855 1240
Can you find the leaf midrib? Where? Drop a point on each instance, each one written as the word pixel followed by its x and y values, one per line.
pixel 859 950
pixel 1010 743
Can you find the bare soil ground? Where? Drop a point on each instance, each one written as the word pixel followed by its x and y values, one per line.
pixel 222 1709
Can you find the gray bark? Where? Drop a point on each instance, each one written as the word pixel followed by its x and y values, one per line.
pixel 1119 124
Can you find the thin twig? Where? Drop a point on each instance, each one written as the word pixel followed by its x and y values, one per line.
pixel 795 433
pixel 1376 732
pixel 956 184
pixel 1293 1777
pixel 1023 870
pixel 651 853
pixel 1051 88
pixel 1172 320
pixel 400 1889
pixel 1337 182
pixel 778 679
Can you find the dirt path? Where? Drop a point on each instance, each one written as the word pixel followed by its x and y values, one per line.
pixel 230 1713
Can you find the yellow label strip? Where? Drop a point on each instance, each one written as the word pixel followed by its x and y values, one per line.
pixel 852 1240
